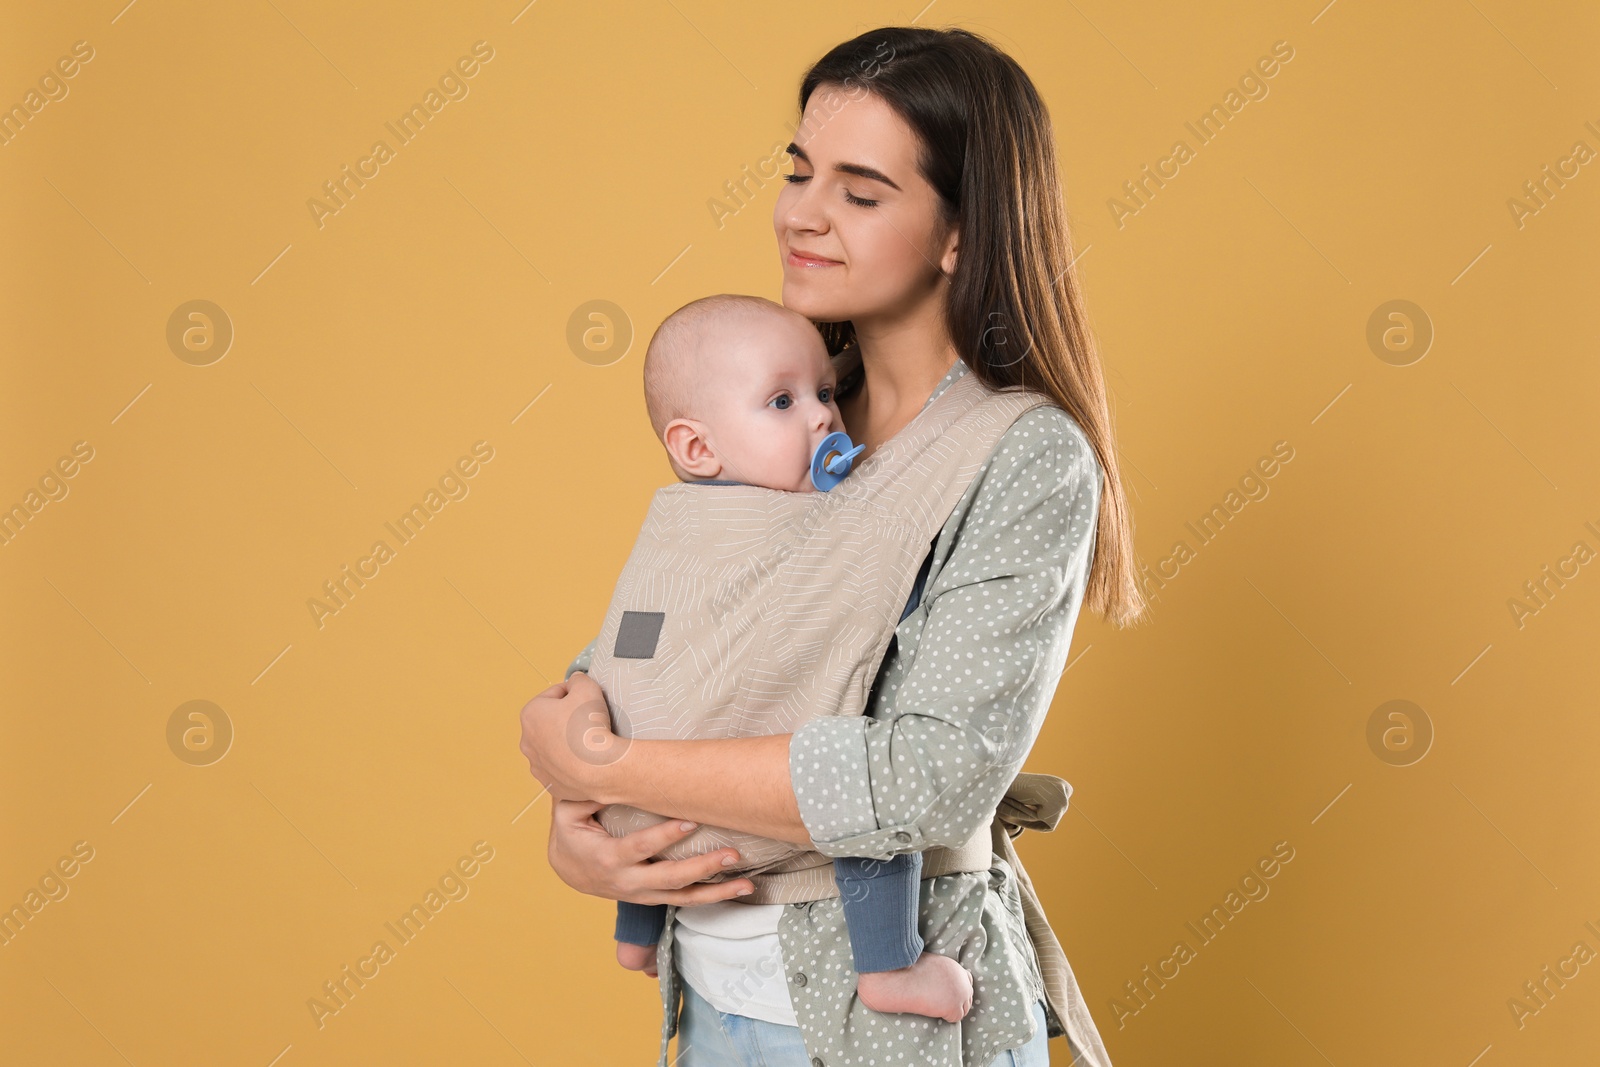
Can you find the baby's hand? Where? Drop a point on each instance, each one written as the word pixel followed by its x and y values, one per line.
pixel 637 957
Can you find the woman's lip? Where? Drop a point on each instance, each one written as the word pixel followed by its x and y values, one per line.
pixel 807 261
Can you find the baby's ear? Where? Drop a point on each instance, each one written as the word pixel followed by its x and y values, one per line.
pixel 688 449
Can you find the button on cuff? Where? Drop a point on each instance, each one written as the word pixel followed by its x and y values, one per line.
pixel 880 844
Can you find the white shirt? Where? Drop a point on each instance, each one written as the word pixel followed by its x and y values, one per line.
pixel 729 953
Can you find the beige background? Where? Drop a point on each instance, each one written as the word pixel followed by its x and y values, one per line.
pixel 432 311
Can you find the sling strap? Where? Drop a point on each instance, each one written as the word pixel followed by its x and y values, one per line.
pixel 1032 802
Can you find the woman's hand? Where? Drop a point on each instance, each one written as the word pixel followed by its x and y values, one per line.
pixel 566 735
pixel 590 860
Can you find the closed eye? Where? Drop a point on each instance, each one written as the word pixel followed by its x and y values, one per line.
pixel 848 195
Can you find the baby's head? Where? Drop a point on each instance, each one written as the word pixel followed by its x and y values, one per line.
pixel 740 388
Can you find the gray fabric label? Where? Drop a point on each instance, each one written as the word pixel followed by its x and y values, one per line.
pixel 637 634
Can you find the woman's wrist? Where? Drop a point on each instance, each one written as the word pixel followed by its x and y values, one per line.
pixel 601 779
pixel 630 777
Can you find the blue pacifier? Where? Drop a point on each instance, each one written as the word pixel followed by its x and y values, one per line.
pixel 831 461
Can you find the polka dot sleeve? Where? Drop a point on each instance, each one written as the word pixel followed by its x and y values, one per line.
pixel 581 661
pixel 953 722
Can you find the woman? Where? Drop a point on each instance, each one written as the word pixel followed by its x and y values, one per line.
pixel 923 224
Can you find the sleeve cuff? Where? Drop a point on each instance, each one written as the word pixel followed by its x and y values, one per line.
pixel 640 924
pixel 581 661
pixel 833 787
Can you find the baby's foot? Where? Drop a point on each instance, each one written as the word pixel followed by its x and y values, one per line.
pixel 637 957
pixel 934 985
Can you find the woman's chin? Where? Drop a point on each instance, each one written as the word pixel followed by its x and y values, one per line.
pixel 803 297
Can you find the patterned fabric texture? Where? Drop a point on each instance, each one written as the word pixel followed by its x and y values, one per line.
pixel 744 610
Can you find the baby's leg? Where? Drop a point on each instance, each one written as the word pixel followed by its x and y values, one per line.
pixel 639 927
pixel 894 974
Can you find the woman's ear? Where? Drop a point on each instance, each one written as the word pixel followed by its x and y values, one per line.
pixel 688 450
pixel 947 262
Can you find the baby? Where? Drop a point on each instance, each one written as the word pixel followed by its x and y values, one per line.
pixel 740 390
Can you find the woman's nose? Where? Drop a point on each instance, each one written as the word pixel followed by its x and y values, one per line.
pixel 802 212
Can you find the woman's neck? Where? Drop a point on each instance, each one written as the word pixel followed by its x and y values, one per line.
pixel 900 365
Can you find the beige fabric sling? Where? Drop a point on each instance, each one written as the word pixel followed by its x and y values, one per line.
pixel 746 611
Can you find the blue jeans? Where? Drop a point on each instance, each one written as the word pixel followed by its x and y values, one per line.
pixel 711 1038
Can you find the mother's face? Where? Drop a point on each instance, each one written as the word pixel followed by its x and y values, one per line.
pixel 858 226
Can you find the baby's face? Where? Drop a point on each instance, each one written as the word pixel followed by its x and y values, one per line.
pixel 767 401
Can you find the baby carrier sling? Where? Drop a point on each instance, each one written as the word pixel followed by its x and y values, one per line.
pixel 746 611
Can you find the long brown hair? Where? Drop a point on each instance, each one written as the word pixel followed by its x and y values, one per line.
pixel 1016 309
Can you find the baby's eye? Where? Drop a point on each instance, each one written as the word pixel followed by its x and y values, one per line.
pixel 826 395
pixel 786 402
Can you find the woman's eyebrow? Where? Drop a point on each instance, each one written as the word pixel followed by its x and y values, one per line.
pixel 858 169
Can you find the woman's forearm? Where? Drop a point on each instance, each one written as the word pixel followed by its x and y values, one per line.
pixel 740 783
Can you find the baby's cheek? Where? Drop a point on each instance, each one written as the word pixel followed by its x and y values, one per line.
pixel 770 461
pixel 800 462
